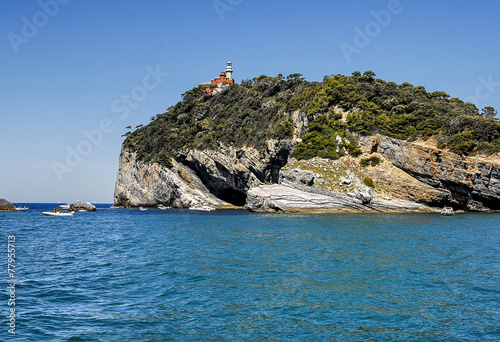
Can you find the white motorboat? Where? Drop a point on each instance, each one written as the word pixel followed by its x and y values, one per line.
pixel 58 213
pixel 64 206
pixel 162 207
pixel 447 211
pixel 203 208
pixel 22 208
pixel 143 209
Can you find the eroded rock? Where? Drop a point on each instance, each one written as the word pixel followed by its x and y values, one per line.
pixel 6 205
pixel 82 206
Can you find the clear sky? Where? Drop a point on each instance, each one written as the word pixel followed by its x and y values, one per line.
pixel 75 73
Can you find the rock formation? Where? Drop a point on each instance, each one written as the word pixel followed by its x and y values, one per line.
pixel 218 177
pixel 6 205
pixel 413 176
pixel 466 182
pixel 80 205
pixel 140 184
pixel 288 198
pixel 409 173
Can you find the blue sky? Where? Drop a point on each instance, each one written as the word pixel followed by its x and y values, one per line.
pixel 75 73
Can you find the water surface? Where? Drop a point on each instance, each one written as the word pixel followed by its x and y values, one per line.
pixel 179 275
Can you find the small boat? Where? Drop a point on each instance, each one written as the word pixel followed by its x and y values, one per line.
pixel 22 208
pixel 58 213
pixel 162 207
pixel 143 209
pixel 115 207
pixel 64 206
pixel 203 208
pixel 447 211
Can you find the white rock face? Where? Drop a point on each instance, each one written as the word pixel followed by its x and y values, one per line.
pixel 140 184
pixel 282 197
pixel 297 175
pixel 80 205
pixel 215 177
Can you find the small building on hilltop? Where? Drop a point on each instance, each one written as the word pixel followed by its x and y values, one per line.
pixel 218 84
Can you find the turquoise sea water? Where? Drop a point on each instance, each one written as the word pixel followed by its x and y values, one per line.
pixel 179 275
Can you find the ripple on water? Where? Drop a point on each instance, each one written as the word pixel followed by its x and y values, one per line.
pixel 122 275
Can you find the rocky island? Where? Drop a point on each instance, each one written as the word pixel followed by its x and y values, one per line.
pixel 81 206
pixel 6 205
pixel 283 144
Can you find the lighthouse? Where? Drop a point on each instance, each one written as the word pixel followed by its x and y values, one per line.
pixel 229 70
pixel 217 85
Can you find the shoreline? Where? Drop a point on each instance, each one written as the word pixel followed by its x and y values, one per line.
pixel 328 210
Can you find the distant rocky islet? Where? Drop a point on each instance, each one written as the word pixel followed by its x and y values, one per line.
pixel 6 205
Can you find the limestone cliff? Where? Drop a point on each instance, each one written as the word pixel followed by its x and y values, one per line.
pixel 411 176
pixel 218 177
pixel 466 182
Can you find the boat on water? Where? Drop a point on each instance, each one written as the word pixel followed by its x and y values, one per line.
pixel 143 209
pixel 58 213
pixel 162 207
pixel 202 208
pixel 22 208
pixel 64 206
pixel 447 211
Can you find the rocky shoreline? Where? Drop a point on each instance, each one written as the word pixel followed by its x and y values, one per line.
pixel 410 177
pixel 284 198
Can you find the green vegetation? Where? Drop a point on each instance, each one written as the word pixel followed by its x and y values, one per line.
pixel 326 138
pixel 368 182
pixel 372 161
pixel 259 109
pixel 246 114
pixel 164 159
pixel 401 111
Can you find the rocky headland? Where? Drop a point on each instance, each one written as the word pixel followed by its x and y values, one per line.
pixel 305 159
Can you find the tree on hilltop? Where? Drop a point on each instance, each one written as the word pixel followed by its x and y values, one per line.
pixel 489 112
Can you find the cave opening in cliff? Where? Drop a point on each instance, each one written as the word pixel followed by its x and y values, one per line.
pixel 488 202
pixel 233 196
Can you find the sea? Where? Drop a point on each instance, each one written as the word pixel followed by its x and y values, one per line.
pixel 231 275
